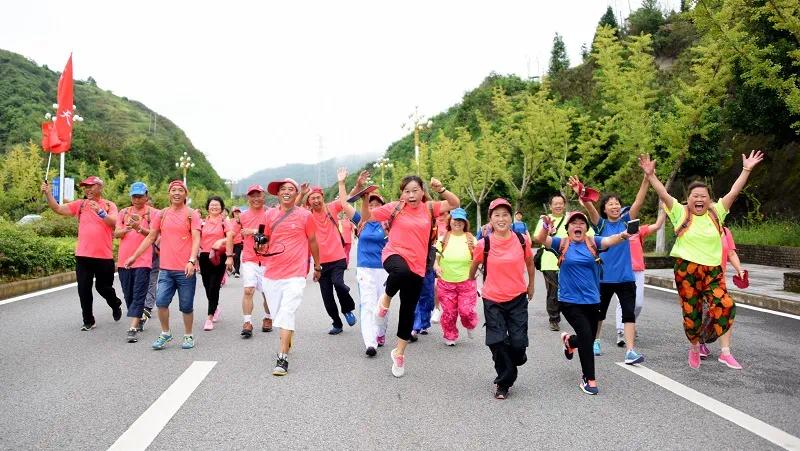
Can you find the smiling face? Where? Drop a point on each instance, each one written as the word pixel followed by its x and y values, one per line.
pixel 255 199
pixel 557 205
pixel 413 193
pixel 576 229
pixel 500 218
pixel 286 194
pixel 316 201
pixel 374 203
pixel 457 225
pixel 612 208
pixel 699 200
pixel 93 192
pixel 214 208
pixel 177 195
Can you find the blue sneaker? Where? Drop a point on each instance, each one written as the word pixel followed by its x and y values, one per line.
pixel 335 330
pixel 188 342
pixel 596 348
pixel 351 318
pixel 162 340
pixel 588 389
pixel 632 357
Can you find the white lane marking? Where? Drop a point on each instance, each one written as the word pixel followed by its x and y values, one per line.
pixel 737 417
pixel 145 429
pixel 738 305
pixel 40 293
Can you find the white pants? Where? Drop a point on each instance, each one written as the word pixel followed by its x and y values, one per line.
pixel 252 275
pixel 371 283
pixel 284 297
pixel 639 275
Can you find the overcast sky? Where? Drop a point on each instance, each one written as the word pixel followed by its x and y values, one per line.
pixel 254 84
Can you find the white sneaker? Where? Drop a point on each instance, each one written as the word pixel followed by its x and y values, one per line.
pixel 398 364
pixel 620 339
pixel 450 342
pixel 436 316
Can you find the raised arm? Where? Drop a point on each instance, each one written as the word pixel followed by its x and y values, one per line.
pixel 543 234
pixel 649 168
pixel 53 203
pixel 660 218
pixel 302 194
pixel 362 178
pixel 640 197
pixel 591 210
pixel 614 240
pixel 450 201
pixel 748 163
pixel 348 209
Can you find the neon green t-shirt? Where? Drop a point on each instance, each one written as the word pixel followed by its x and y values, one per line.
pixel 702 243
pixel 456 259
pixel 549 259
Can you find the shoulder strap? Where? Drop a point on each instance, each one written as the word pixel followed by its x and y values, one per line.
pixel 397 208
pixel 562 249
pixel 563 217
pixel 712 213
pixel 486 246
pixel 687 221
pixel 445 240
pixel 335 224
pixel 521 239
pixel 280 220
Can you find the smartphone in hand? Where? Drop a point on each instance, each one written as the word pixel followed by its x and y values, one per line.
pixel 633 227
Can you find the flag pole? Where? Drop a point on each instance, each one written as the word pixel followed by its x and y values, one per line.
pixel 61 181
pixel 47 172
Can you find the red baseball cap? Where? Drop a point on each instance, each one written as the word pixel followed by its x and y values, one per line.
pixel 178 183
pixel 377 197
pixel 92 180
pixel 275 186
pixel 577 215
pixel 500 202
pixel 255 187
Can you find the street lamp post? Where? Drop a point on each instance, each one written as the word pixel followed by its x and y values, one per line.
pixel 185 163
pixel 417 122
pixel 382 164
pixel 231 184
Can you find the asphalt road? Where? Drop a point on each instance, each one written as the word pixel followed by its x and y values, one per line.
pixel 66 389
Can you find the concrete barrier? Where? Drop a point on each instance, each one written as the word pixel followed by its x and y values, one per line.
pixel 9 290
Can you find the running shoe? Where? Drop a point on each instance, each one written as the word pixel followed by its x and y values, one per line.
pixel 568 352
pixel 371 351
pixel 694 359
pixel 266 325
pixel 247 330
pixel 450 342
pixel 704 352
pixel 436 316
pixel 554 326
pixel 381 339
pixel 398 364
pixel 131 335
pixel 501 392
pixel 117 312
pixel 188 342
pixel 414 337
pixel 335 330
pixel 586 387
pixel 209 325
pixel 728 360
pixel 423 332
pixel 620 339
pixel 217 314
pixel 86 327
pixel 281 366
pixel 146 314
pixel 236 276
pixel 632 357
pixel 596 348
pixel 351 318
pixel 162 340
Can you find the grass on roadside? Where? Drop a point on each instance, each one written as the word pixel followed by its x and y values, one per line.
pixel 768 233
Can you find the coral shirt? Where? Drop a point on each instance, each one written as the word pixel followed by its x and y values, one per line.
pixel 251 219
pixel 637 247
pixel 409 236
pixel 289 239
pixel 328 237
pixel 505 279
pixel 176 236
pixel 131 240
pixel 95 237
pixel 346 227
pixel 211 231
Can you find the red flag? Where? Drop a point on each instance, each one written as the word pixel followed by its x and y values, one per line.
pixel 61 133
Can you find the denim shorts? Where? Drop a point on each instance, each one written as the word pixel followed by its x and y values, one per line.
pixel 169 282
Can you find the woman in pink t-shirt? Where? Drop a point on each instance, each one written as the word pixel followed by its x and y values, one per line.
pixel 216 255
pixel 410 224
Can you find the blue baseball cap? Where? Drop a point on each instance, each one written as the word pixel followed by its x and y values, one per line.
pixel 458 213
pixel 138 189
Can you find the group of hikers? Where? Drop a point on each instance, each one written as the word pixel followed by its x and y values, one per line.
pixel 418 248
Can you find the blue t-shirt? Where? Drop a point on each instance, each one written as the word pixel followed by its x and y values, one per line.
pixel 579 275
pixel 617 259
pixel 519 227
pixel 370 245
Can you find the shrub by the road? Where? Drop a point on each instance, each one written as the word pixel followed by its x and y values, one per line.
pixel 25 255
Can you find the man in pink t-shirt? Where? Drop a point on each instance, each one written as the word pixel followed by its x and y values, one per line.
pixel 291 238
pixel 179 229
pixel 94 252
pixel 332 258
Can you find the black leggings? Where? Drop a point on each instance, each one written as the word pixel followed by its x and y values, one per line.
pixel 583 319
pixel 212 280
pixel 237 256
pixel 409 284
pixel 626 293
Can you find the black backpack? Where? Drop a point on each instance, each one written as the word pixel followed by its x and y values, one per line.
pixel 487 246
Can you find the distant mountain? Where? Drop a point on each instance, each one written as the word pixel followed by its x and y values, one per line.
pixel 323 174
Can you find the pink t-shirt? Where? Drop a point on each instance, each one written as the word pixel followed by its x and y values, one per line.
pixel 727 246
pixel 410 233
pixel 211 230
pixel 506 270
pixel 290 238
pixel 176 236
pixel 95 237
pixel 637 247
pixel 131 240
pixel 251 219
pixel 442 221
pixel 347 230
pixel 328 238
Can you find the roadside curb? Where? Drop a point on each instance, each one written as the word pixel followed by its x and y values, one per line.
pixel 762 301
pixel 9 290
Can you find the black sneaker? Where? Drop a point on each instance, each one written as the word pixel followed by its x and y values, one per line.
pixel 132 336
pixel 371 351
pixel 86 327
pixel 501 392
pixel 117 312
pixel 247 330
pixel 281 366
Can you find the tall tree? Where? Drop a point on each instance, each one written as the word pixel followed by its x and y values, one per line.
pixel 647 19
pixel 559 61
pixel 609 20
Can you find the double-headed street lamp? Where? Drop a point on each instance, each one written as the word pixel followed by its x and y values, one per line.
pixel 185 163
pixel 382 164
pixel 417 122
pixel 231 184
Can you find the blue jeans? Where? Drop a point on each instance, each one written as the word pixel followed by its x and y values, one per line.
pixel 422 315
pixel 169 282
pixel 135 282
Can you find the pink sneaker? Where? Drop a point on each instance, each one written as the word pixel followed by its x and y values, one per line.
pixel 398 364
pixel 704 352
pixel 694 359
pixel 728 359
pixel 381 339
pixel 217 314
pixel 209 325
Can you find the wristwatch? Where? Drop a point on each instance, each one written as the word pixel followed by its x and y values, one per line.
pixel 318 268
pixel 191 260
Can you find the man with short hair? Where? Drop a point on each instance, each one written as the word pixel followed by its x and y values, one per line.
pixel 94 252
